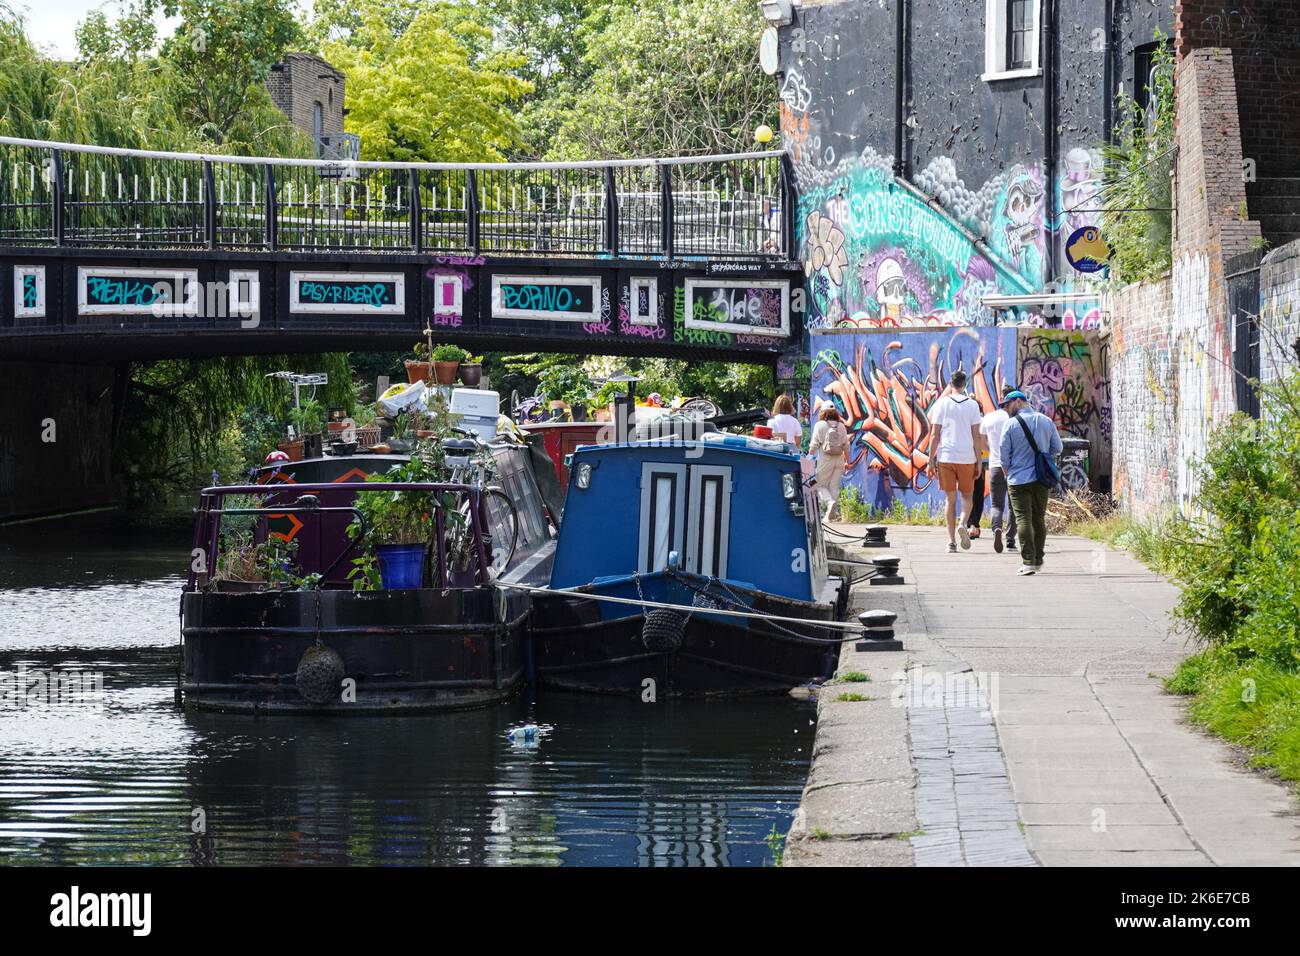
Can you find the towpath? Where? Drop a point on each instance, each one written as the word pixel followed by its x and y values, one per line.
pixel 1024 724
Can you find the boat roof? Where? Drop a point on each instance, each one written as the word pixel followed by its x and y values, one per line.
pixel 735 444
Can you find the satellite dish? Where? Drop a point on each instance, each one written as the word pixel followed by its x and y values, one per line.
pixel 769 51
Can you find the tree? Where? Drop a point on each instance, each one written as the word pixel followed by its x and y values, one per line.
pixel 222 51
pixel 428 91
pixel 669 77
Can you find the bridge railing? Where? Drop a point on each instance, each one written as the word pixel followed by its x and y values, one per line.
pixel 734 206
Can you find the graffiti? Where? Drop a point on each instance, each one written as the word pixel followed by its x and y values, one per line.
pixel 625 324
pixel 31 291
pixel 597 328
pixel 738 306
pixel 460 260
pixel 884 396
pixel 372 294
pixel 693 336
pixel 447 319
pixel 1066 377
pixel 1017 231
pixel 543 298
pixel 795 92
pixel 115 290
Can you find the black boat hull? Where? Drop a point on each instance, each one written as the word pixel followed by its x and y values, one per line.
pixel 242 651
pixel 575 648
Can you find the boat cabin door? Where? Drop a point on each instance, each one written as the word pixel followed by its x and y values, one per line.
pixel 687 509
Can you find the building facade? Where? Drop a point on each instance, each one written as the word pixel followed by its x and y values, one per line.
pixel 311 92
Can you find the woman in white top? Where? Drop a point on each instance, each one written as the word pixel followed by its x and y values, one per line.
pixel 783 423
pixel 830 443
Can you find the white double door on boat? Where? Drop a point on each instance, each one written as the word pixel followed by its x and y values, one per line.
pixel 687 509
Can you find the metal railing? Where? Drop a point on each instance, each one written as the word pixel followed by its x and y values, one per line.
pixel 59 194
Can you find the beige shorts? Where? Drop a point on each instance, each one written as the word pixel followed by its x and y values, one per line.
pixel 957 477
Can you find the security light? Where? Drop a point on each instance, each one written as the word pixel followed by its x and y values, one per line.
pixel 778 12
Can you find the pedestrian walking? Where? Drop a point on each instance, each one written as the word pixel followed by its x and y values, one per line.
pixel 1026 436
pixel 991 426
pixel 829 445
pixel 954 450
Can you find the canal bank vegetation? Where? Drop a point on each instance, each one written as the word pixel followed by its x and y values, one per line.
pixel 1238 568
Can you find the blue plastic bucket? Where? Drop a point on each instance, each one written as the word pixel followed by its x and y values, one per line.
pixel 401 566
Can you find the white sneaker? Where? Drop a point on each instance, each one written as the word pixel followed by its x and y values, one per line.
pixel 1026 569
pixel 965 537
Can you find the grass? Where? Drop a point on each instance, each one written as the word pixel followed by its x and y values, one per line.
pixel 1255 705
pixel 851 677
pixel 853 510
pixel 850 697
pixel 819 833
pixel 776 843
pixel 1146 542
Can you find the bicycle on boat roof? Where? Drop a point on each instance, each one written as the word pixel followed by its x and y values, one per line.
pixel 471 463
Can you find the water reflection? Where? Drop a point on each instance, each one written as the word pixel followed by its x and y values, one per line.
pixel 610 781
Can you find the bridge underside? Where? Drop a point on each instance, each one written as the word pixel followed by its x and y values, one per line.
pixel 81 305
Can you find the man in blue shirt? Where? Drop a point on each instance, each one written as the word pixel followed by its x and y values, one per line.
pixel 1028 497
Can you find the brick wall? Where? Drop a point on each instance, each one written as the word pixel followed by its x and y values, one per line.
pixel 1279 294
pixel 301 80
pixel 1171 353
pixel 1263 38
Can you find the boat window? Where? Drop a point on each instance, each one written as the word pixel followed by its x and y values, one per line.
pixel 663 506
pixel 518 483
pixel 710 520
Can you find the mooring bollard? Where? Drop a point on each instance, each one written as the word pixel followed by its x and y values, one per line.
pixel 875 536
pixel 886 571
pixel 878 632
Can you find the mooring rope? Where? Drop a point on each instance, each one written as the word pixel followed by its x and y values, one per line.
pixel 753 615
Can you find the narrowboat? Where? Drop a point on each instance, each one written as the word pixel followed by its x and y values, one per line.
pixel 309 643
pixel 719 523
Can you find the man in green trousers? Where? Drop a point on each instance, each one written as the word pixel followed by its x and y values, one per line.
pixel 1026 433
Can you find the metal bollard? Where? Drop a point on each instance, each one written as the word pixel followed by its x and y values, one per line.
pixel 875 536
pixel 878 632
pixel 886 571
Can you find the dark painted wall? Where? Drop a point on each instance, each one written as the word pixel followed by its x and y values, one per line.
pixel 1013 174
pixel 71 404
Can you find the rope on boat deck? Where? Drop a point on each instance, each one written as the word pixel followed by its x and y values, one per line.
pixel 689 608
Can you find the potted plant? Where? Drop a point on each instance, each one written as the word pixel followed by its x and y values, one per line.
pixel 561 383
pixel 420 368
pixel 244 564
pixel 604 400
pixel 398 526
pixel 307 421
pixel 471 371
pixel 446 363
pixel 578 398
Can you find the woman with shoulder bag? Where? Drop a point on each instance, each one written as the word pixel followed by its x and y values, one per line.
pixel 830 445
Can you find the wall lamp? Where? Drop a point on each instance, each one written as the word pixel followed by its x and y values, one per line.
pixel 777 12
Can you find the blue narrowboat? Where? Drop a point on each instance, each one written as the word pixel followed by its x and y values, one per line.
pixel 723 523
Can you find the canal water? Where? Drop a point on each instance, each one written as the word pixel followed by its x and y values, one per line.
pixel 611 781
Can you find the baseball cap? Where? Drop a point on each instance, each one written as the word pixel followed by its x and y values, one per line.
pixel 1013 395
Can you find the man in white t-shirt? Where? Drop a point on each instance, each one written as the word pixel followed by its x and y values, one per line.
pixel 991 428
pixel 955 449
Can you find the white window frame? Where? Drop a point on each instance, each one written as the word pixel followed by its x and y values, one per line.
pixel 187 279
pixel 651 470
pixel 238 306
pixel 651 284
pixel 546 315
pixel 995 43
pixel 693 323
pixel 396 307
pixel 457 307
pixel 29 312
pixel 694 533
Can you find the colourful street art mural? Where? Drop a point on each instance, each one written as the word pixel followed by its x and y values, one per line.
pixel 1066 375
pixel 883 384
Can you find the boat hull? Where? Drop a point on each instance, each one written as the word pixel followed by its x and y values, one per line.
pixel 585 645
pixel 243 651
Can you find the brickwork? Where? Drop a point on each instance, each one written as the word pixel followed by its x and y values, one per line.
pixel 300 81
pixel 1172 380
pixel 1279 293
pixel 1263 38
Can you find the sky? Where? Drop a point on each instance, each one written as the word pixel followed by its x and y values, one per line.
pixel 52 23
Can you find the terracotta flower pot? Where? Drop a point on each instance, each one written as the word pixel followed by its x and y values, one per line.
pixel 445 372
pixel 471 373
pixel 291 448
pixel 418 371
